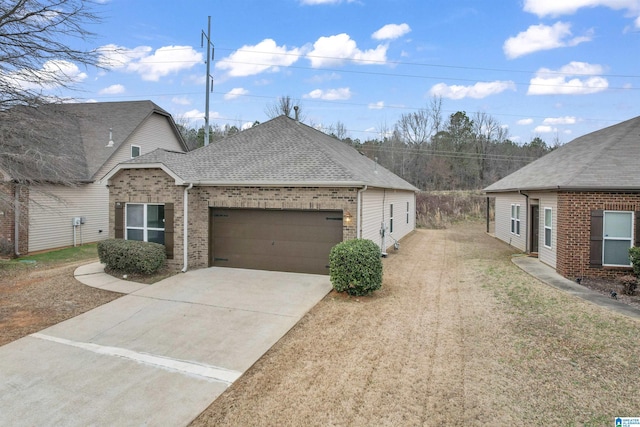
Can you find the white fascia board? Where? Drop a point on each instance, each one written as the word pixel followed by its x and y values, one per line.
pixel 122 166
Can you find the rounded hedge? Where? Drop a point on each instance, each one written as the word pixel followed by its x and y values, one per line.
pixel 355 267
pixel 132 256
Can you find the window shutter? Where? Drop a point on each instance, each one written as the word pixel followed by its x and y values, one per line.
pixel 168 229
pixel 637 238
pixel 595 240
pixel 119 222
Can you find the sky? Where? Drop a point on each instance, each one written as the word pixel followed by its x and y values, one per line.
pixel 554 69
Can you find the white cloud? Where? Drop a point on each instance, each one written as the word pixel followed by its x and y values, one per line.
pixel 166 60
pixel 545 129
pixel 181 100
pixel 542 37
pixel 543 8
pixel 52 75
pixel 478 91
pixel 330 95
pixel 150 66
pixel 112 90
pixel 554 121
pixel 321 78
pixel 263 57
pixel 195 115
pixel 586 80
pixel 391 31
pixel 524 122
pixel 235 93
pixel 334 50
pixel 376 106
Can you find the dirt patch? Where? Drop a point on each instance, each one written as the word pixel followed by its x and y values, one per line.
pixel 36 297
pixel 457 335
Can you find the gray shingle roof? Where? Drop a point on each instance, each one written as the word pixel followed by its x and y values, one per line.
pixel 80 132
pixel 608 159
pixel 281 151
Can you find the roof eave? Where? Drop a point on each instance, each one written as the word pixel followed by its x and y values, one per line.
pixel 565 188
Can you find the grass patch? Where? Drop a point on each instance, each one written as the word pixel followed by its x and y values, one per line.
pixel 51 259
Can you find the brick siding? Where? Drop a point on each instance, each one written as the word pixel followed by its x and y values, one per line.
pixel 154 186
pixel 574 227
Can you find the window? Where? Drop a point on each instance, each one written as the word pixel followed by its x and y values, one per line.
pixel 515 219
pixel 391 218
pixel 617 238
pixel 548 221
pixel 407 212
pixel 135 151
pixel 145 222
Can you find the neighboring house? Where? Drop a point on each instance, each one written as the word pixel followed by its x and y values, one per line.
pixel 577 207
pixel 277 196
pixel 92 138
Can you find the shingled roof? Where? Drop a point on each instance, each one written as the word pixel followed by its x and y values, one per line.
pixel 603 160
pixel 78 134
pixel 280 152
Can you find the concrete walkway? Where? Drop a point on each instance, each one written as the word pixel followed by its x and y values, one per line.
pixel 548 275
pixel 158 356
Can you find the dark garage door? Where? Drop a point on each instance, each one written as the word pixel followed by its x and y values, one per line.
pixel 297 241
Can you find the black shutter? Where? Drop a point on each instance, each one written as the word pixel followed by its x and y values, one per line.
pixel 595 240
pixel 637 239
pixel 168 229
pixel 119 221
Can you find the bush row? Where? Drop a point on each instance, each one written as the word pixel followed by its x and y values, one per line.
pixel 132 256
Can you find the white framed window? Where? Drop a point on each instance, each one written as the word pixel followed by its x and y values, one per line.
pixel 548 225
pixel 135 151
pixel 144 222
pixel 391 218
pixel 407 212
pixel 617 238
pixel 515 219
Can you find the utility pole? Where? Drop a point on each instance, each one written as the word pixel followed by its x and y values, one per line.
pixel 209 88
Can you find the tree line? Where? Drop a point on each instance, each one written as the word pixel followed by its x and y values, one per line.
pixel 458 152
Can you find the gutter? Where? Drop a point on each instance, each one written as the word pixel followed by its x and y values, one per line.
pixel 16 222
pixel 359 212
pixel 185 231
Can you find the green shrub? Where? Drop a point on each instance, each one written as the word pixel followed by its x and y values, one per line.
pixel 355 267
pixel 634 254
pixel 131 256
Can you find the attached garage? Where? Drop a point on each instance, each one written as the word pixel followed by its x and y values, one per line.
pixel 281 240
pixel 277 196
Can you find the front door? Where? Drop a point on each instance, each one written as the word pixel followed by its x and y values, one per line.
pixel 535 225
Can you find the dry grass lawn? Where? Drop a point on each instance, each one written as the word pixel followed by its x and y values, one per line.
pixel 458 335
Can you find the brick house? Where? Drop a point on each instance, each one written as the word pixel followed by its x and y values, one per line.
pixel 578 207
pixel 40 199
pixel 277 196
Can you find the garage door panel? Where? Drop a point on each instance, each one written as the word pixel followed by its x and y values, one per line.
pixel 298 241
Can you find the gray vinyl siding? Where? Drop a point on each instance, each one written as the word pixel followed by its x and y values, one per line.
pixel 153 133
pixel 503 219
pixel 547 200
pixel 376 208
pixel 52 208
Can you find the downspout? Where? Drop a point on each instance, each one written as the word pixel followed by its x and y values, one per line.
pixel 359 213
pixel 526 215
pixel 16 222
pixel 185 230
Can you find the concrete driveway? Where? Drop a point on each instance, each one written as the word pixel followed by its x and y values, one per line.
pixel 158 356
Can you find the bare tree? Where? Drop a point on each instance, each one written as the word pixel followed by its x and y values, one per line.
pixel 284 105
pixel 35 56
